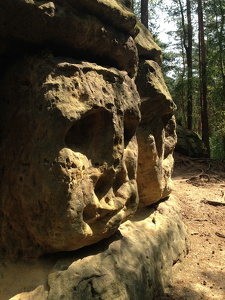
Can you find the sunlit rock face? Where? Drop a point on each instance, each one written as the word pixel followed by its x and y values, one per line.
pixel 69 158
pixel 156 135
pixel 87 132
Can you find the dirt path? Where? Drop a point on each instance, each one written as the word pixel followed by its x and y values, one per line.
pixel 202 274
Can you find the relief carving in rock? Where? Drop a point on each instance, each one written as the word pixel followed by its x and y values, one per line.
pixel 70 154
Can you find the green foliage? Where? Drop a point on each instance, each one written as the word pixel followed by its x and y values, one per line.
pixel 137 8
pixel 217 145
pixel 217 140
pixel 214 20
pixel 175 62
pixel 152 22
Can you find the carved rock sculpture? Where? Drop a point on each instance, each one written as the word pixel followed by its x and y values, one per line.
pixel 135 263
pixel 87 133
pixel 72 174
pixel 156 135
pixel 87 128
pixel 79 115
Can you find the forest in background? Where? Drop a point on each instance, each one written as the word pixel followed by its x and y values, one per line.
pixel 193 63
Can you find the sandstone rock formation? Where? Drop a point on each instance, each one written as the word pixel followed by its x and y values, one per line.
pixel 87 136
pixel 156 134
pixel 136 263
pixel 74 155
pixel 147 48
pixel 189 143
pixel 78 29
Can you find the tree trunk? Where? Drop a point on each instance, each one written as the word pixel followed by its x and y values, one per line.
pixel 189 67
pixel 203 80
pixel 221 36
pixel 144 12
pixel 220 20
pixel 184 112
pixel 187 41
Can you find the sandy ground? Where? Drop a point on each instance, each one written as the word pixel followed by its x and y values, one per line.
pixel 202 272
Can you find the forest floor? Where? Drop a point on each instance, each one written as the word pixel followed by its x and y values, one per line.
pixel 200 186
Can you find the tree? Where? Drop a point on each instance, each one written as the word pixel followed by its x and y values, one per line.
pixel 219 9
pixel 203 79
pixel 194 65
pixel 187 43
pixel 144 12
pixel 214 12
pixel 189 66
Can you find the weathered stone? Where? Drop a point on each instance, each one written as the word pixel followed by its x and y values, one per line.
pixel 69 155
pixel 144 254
pixel 156 135
pixel 147 48
pixel 136 263
pixel 189 143
pixel 62 29
pixel 113 12
pixel 155 96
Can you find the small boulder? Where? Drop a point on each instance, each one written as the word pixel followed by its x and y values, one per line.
pixel 189 143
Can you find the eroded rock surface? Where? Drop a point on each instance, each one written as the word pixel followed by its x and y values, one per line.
pixel 87 136
pixel 71 28
pixel 135 263
pixel 147 48
pixel 189 143
pixel 156 135
pixel 71 171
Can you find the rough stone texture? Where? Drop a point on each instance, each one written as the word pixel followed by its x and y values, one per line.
pixel 135 263
pixel 156 135
pixel 69 163
pixel 71 171
pixel 113 12
pixel 60 27
pixel 189 143
pixel 147 48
